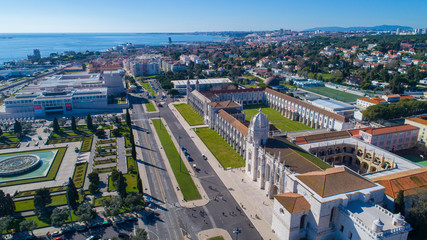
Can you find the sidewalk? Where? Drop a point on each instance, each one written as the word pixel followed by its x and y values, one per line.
pixel 245 192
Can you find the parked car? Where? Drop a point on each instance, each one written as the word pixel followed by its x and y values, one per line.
pixel 204 157
pixel 56 233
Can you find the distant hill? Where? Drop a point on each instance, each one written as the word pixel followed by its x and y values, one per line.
pixel 375 28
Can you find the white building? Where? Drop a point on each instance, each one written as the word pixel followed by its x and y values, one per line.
pixel 334 204
pixel 67 94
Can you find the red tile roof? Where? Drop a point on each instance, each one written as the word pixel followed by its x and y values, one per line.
pixel 293 202
pixel 393 129
pixel 334 181
pixel 406 181
pixel 234 122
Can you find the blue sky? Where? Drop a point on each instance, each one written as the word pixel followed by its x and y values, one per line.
pixel 203 15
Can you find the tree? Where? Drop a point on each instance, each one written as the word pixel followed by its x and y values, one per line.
pixel 417 215
pixel 141 234
pixel 85 212
pixel 133 151
pixel 27 225
pixel 41 199
pixel 134 201
pixel 56 127
pixel 120 185
pixel 7 205
pixel 17 128
pixel 128 119
pixel 1 132
pixel 5 223
pixel 112 205
pixel 399 203
pixel 89 122
pixel 73 123
pixel 173 92
pixel 94 182
pixel 100 133
pixel 59 216
pixel 73 195
pixel 114 175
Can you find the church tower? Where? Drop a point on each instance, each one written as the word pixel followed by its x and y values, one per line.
pixel 257 136
pixel 197 85
pixel 188 90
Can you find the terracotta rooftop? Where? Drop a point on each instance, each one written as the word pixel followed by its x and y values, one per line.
pixel 322 137
pixel 225 104
pixel 307 105
pixel 293 202
pixel 334 181
pixel 291 155
pixel 421 120
pixel 234 122
pixel 393 129
pixel 406 181
pixel 374 101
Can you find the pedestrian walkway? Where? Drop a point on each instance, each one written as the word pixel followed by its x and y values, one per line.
pixel 257 207
pixel 214 232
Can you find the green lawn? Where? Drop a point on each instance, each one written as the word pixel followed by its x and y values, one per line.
pixel 130 180
pixel 333 93
pixel 32 192
pixel 148 87
pixel 86 144
pixel 79 174
pixel 27 205
pixel 416 160
pixel 185 182
pixel 150 106
pixel 131 162
pixel 190 115
pixel 98 201
pixel 275 118
pixel 106 141
pixel 223 152
pixel 216 238
pixel 50 175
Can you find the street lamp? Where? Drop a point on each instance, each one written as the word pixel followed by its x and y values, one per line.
pixel 237 231
pixel 179 144
pixel 68 201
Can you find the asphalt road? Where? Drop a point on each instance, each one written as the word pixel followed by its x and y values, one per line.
pixel 221 212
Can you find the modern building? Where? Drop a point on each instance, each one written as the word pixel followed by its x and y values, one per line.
pixel 204 84
pixel 334 204
pixel 421 123
pixel 142 67
pixel 67 94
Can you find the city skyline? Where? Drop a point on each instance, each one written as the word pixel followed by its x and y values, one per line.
pixel 49 16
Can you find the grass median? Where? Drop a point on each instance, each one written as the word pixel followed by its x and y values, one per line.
pixel 150 106
pixel 224 153
pixel 189 114
pixel 185 182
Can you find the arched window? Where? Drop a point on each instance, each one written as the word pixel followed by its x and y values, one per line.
pixel 302 222
pixel 331 217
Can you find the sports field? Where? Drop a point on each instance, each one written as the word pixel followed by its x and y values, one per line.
pixel 333 93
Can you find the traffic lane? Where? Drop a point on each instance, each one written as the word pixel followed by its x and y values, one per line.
pixel 166 223
pixel 226 212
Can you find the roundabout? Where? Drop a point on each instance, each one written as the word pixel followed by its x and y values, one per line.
pixel 19 164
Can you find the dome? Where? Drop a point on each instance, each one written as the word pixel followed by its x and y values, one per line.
pixel 271 81
pixel 259 121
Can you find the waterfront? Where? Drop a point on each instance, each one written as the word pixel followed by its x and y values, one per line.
pixel 14 46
